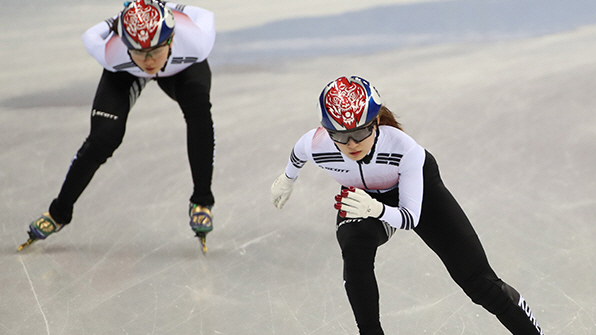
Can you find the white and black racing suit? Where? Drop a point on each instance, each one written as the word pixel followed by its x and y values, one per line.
pixel 186 78
pixel 405 178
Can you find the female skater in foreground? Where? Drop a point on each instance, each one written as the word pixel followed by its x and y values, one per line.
pixel 390 182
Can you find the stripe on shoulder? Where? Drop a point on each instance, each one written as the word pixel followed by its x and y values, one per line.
pixel 327 157
pixel 126 65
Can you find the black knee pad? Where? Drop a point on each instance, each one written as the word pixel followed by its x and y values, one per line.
pixel 356 233
pixel 196 107
pixel 358 240
pixel 491 293
pixel 97 151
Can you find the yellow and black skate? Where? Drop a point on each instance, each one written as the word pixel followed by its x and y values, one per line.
pixel 201 222
pixel 41 228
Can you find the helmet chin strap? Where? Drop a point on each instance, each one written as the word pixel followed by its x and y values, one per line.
pixel 132 60
pixel 168 58
pixel 170 40
pixel 366 159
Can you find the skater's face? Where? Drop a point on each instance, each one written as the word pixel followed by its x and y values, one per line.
pixel 358 150
pixel 151 60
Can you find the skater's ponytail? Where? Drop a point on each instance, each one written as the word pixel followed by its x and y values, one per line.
pixel 387 118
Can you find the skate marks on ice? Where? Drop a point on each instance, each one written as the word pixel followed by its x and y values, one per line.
pixel 35 295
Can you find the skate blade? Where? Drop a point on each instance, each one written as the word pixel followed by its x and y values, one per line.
pixel 204 244
pixel 28 243
pixel 203 238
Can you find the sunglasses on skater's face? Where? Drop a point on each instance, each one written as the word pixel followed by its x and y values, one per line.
pixel 358 134
pixel 153 53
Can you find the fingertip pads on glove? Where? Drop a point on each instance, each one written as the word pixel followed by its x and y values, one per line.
pixel 355 203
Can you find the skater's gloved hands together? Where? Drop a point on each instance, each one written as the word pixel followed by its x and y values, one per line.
pixel 355 203
pixel 281 190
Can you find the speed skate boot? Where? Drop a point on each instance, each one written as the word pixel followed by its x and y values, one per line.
pixel 41 228
pixel 201 222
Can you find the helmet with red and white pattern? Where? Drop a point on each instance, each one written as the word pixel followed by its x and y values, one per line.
pixel 348 103
pixel 145 24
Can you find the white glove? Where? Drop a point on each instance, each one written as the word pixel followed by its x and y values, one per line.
pixel 281 190
pixel 355 203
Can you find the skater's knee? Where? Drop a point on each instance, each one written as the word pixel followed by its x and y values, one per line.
pixel 358 255
pixel 491 293
pixel 360 234
pixel 196 108
pixel 98 150
pixel 358 248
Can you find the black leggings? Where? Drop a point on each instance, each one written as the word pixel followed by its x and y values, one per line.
pixel 114 98
pixel 445 228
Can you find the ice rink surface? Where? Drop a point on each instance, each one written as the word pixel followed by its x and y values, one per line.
pixel 501 92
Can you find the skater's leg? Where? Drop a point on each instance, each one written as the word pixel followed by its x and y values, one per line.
pixel 510 318
pixel 191 89
pixel 359 241
pixel 115 95
pixel 446 230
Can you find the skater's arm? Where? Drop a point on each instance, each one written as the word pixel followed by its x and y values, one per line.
pixel 96 39
pixel 284 184
pixel 204 20
pixel 299 155
pixel 196 28
pixel 407 214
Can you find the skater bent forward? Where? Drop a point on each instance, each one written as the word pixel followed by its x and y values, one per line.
pixel 391 183
pixel 148 40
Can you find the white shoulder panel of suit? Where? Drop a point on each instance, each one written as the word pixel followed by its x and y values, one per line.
pixel 397 159
pixel 194 36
